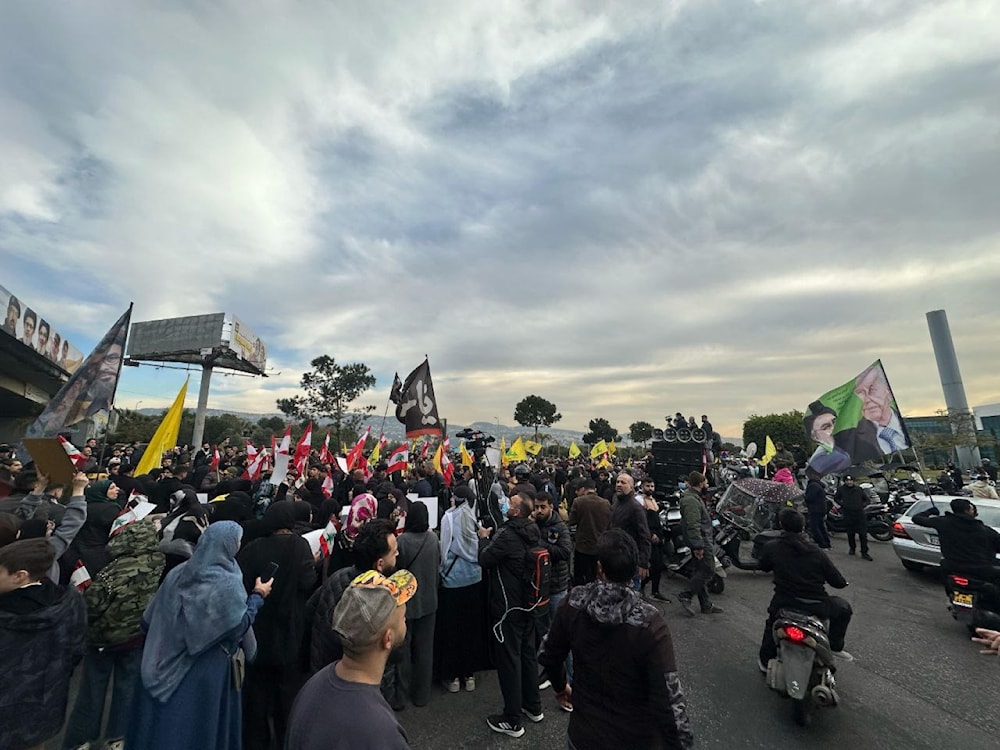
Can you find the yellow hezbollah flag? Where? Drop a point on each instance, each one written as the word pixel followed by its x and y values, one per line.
pixel 574 451
pixel 612 448
pixel 464 454
pixel 516 451
pixel 165 437
pixel 503 451
pixel 769 451
pixel 599 449
pixel 376 452
pixel 533 448
pixel 438 465
pixel 604 463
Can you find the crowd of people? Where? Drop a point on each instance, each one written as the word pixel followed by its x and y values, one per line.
pixel 306 612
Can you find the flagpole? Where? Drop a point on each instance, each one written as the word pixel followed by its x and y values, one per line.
pixel 114 392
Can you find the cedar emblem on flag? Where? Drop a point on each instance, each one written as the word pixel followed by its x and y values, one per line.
pixel 399 459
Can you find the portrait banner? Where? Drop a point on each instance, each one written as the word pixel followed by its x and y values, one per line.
pixel 855 422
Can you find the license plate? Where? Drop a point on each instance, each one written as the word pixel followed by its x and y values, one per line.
pixel 932 539
pixel 961 600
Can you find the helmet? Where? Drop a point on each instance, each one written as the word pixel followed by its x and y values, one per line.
pixel 521 470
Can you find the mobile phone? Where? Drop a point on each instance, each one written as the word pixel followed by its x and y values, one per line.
pixel 270 572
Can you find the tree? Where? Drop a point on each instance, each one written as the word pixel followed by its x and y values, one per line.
pixel 329 390
pixel 600 429
pixel 640 432
pixel 957 431
pixel 535 411
pixel 784 428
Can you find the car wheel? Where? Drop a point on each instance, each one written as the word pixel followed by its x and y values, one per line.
pixel 914 566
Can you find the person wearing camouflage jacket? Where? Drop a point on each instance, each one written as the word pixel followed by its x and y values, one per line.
pixel 115 600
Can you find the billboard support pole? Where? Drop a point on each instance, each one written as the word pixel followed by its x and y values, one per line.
pixel 199 415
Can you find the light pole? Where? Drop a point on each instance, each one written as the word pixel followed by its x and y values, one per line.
pixel 137 406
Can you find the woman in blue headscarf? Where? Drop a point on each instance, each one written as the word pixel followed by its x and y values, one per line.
pixel 188 697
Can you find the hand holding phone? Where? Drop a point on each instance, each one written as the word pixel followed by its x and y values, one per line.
pixel 272 569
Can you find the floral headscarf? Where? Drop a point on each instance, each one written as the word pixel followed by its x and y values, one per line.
pixel 363 508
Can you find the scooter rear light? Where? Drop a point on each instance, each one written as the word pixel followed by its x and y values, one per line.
pixel 959 581
pixel 899 532
pixel 796 635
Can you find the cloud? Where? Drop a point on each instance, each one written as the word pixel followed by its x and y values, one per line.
pixel 631 209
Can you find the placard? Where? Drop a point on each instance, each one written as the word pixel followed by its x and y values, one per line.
pixel 51 459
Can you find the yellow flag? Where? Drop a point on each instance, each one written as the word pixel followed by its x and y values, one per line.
pixel 503 451
pixel 612 448
pixel 574 451
pixel 376 452
pixel 464 454
pixel 165 436
pixel 769 451
pixel 533 448
pixel 516 451
pixel 438 465
pixel 604 463
pixel 599 449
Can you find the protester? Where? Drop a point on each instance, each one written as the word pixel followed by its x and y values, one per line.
pixel 273 678
pixel 59 534
pixel 341 707
pixel 698 527
pixel 637 703
pixel 816 504
pixel 42 638
pixel 628 515
pixel 555 538
pixel 420 554
pixel 189 694
pixel 90 544
pixel 504 556
pixel 657 538
pixel 116 600
pixel 852 501
pixel 591 515
pixel 460 631
pixel 374 547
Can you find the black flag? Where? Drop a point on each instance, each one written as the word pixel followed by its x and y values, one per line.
pixel 417 406
pixel 396 393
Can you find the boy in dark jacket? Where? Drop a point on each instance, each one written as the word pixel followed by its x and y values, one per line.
pixel 504 557
pixel 43 628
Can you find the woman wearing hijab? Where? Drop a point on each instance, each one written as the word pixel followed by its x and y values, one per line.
pixel 275 675
pixel 460 627
pixel 233 506
pixel 90 544
pixel 182 527
pixel 188 695
pixel 364 508
pixel 419 553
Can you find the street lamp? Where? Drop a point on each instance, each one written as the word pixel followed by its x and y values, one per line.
pixel 137 406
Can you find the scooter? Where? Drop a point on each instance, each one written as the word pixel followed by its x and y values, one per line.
pixel 728 540
pixel 973 602
pixel 803 669
pixel 677 554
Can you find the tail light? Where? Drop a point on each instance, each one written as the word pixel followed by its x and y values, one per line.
pixel 959 581
pixel 796 635
pixel 899 532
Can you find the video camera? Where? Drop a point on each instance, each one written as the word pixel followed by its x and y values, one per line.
pixel 476 441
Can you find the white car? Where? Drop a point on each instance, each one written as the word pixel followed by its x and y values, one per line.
pixel 917 547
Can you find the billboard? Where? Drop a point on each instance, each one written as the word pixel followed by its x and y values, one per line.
pixel 26 325
pixel 246 344
pixel 222 339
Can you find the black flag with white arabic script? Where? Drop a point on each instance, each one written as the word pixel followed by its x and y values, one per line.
pixel 417 406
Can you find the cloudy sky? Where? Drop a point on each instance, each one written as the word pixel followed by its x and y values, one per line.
pixel 629 208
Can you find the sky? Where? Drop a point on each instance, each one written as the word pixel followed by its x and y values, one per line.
pixel 630 209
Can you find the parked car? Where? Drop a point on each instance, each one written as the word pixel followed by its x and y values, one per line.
pixel 917 546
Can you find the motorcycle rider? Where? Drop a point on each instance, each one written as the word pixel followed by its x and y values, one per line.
pixel 989 470
pixel 817 507
pixel 967 544
pixel 698 525
pixel 852 501
pixel 801 570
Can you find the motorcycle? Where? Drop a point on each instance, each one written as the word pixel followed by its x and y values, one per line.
pixel 678 557
pixel 803 669
pixel 747 512
pixel 879 517
pixel 973 602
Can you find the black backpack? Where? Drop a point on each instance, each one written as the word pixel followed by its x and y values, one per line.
pixel 538 576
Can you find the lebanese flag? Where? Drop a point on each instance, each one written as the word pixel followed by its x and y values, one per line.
pixel 266 466
pixel 286 442
pixel 251 452
pixel 216 459
pixel 357 452
pixel 325 457
pixel 399 459
pixel 328 535
pixel 423 451
pixel 80 577
pixel 76 458
pixel 252 472
pixel 328 487
pixel 301 458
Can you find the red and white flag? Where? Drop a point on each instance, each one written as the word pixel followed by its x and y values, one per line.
pixel 251 452
pixel 399 459
pixel 424 450
pixel 216 459
pixel 448 468
pixel 76 458
pixel 329 535
pixel 357 452
pixel 328 487
pixel 325 457
pixel 80 577
pixel 303 449
pixel 252 472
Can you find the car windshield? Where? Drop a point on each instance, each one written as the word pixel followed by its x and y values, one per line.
pixel 988 514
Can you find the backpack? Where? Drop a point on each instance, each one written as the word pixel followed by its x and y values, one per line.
pixel 538 576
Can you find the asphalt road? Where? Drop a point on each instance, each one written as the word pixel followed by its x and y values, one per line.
pixel 916 682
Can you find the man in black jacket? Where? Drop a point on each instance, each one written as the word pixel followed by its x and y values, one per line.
pixel 967 544
pixel 852 501
pixel 816 505
pixel 629 516
pixel 556 539
pixel 504 558
pixel 801 572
